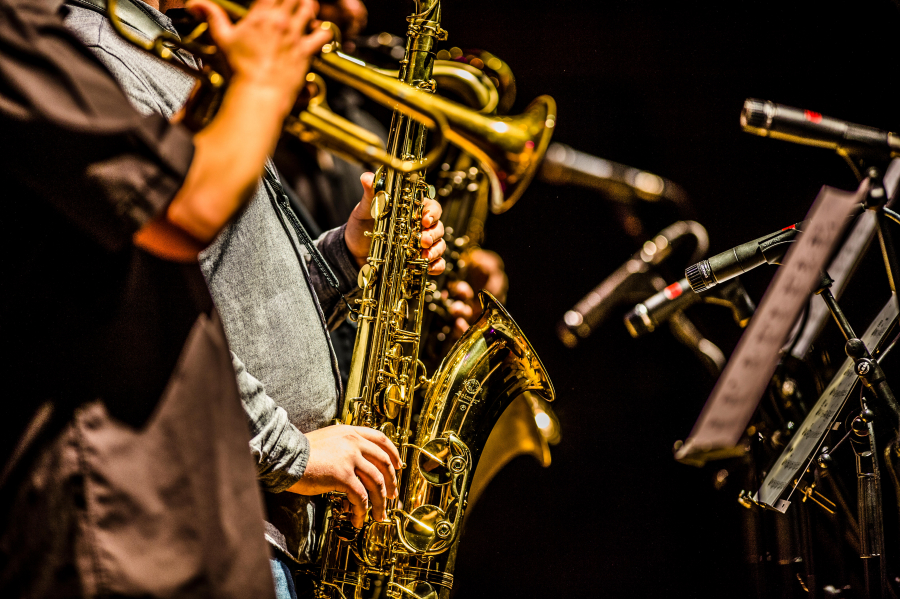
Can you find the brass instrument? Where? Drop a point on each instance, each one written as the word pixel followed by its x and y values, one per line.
pixel 485 83
pixel 414 552
pixel 529 425
pixel 508 148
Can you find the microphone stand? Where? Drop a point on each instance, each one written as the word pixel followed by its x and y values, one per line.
pixel 868 475
pixel 863 426
pixel 876 201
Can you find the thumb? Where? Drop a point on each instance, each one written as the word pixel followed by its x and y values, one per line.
pixel 220 25
pixel 368 185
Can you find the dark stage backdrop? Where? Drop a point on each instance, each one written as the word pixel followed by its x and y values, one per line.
pixel 658 86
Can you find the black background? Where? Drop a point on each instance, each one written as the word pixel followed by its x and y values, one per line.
pixel 660 87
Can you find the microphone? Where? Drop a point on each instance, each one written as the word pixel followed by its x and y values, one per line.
pixel 647 316
pixel 629 282
pixel 564 165
pixel 770 249
pixel 811 128
pixel 766 249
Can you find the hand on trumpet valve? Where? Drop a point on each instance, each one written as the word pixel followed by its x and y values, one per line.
pixel 361 222
pixel 351 17
pixel 271 47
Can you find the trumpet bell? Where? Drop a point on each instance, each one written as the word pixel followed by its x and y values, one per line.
pixel 513 150
pixel 510 148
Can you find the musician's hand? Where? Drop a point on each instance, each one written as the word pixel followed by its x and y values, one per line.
pixel 484 270
pixel 350 16
pixel 269 52
pixel 361 221
pixel 355 460
pixel 461 306
pixel 433 237
pixel 269 47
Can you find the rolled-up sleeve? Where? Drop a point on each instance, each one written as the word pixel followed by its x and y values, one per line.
pixel 280 450
pixel 73 129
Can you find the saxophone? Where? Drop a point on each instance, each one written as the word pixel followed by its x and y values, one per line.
pixel 413 553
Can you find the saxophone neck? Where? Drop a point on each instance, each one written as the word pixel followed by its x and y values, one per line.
pixel 427 10
pixel 423 32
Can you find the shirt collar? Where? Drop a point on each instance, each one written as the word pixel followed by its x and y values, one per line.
pixel 161 19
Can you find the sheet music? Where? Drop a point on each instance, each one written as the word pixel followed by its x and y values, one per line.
pixel 843 266
pixel 738 391
pixel 819 420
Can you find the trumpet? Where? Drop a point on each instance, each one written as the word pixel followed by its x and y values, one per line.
pixel 509 149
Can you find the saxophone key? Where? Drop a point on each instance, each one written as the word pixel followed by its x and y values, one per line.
pixel 389 431
pixel 393 399
pixel 366 276
pixel 379 205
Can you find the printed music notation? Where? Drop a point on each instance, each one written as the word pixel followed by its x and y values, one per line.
pixel 738 391
pixel 842 266
pixel 811 433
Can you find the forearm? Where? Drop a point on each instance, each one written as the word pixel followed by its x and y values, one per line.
pixel 228 158
pixel 281 451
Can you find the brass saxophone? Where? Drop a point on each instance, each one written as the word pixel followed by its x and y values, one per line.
pixel 529 425
pixel 413 553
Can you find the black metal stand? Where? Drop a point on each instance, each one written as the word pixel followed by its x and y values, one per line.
pixel 869 501
pixel 868 476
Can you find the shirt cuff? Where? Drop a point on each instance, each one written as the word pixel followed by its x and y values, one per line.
pixel 175 148
pixel 280 450
pixel 337 254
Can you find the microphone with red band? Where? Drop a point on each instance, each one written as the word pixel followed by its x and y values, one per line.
pixel 770 249
pixel 630 282
pixel 769 119
pixel 660 307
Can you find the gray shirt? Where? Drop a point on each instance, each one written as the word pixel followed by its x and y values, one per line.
pixel 273 300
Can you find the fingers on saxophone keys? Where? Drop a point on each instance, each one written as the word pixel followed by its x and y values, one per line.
pixel 435 251
pixel 374 483
pixel 431 213
pixel 378 463
pixel 381 462
pixel 359 500
pixel 378 438
pixel 432 234
pixel 437 267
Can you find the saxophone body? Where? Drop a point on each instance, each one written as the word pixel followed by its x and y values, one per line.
pixel 529 425
pixel 440 425
pixel 414 553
